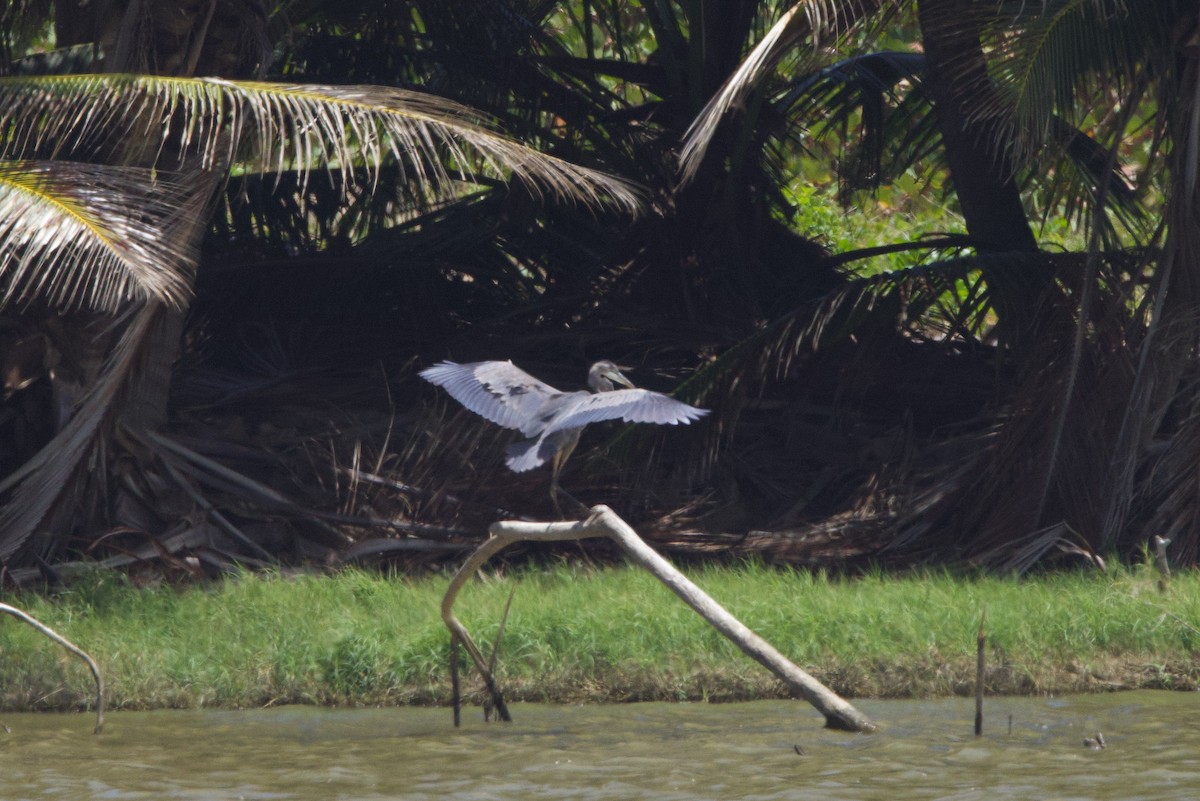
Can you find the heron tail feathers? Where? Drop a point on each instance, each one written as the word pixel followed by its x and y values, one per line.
pixel 522 456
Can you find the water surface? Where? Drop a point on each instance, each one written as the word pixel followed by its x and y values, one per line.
pixel 638 751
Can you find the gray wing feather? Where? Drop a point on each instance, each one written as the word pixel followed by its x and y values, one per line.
pixel 497 391
pixel 630 405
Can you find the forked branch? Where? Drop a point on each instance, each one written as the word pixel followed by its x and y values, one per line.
pixel 70 646
pixel 603 522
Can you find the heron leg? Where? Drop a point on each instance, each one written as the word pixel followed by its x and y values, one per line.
pixel 560 458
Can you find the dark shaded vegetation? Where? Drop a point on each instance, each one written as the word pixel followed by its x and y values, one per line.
pixel 989 401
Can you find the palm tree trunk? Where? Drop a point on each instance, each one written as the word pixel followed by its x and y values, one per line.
pixel 958 83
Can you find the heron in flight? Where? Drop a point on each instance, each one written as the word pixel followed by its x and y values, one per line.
pixel 552 420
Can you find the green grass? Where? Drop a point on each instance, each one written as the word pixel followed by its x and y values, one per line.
pixel 606 634
pixel 904 211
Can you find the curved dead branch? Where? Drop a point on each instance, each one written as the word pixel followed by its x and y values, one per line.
pixel 73 648
pixel 604 522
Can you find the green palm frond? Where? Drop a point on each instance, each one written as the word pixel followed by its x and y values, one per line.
pixel 1077 176
pixel 260 126
pixel 85 235
pixel 1064 50
pixel 881 95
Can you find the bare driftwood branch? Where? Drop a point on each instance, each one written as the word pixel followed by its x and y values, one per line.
pixel 459 633
pixel 603 522
pixel 70 646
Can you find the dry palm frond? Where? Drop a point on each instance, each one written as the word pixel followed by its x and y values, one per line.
pixel 1044 463
pixel 86 235
pixel 259 126
pixel 1017 554
pixel 806 19
pixel 1164 379
pixel 48 479
pixel 1166 501
pixel 782 35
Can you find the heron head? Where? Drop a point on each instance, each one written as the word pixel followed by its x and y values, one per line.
pixel 604 375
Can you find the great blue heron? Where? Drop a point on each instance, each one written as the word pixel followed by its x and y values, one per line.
pixel 508 396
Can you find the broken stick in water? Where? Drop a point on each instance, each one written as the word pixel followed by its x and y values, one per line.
pixel 980 672
pixel 455 688
pixel 604 522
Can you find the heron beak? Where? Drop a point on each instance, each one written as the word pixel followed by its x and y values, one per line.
pixel 617 377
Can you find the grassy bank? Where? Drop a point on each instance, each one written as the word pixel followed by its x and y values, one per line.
pixel 597 635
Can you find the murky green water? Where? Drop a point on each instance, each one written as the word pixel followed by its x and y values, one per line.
pixel 640 751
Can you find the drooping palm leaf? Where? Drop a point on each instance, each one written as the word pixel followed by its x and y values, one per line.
pixel 87 235
pixel 45 484
pixel 807 19
pixel 1166 497
pixel 879 93
pixel 882 93
pixel 1069 87
pixel 1063 44
pixel 278 127
pixel 1038 117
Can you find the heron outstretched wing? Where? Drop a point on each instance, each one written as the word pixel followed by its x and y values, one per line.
pixel 497 391
pixel 630 405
